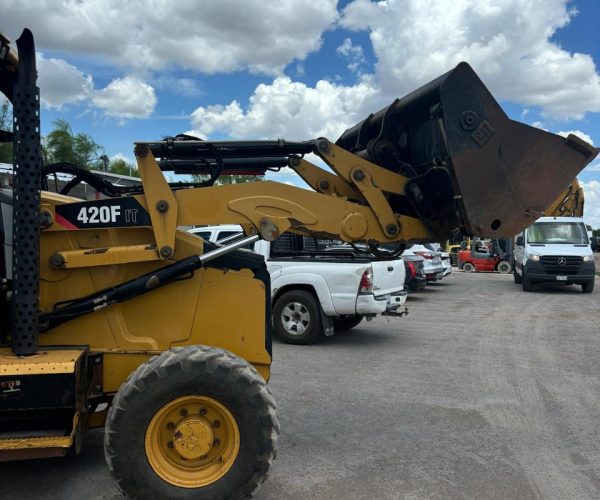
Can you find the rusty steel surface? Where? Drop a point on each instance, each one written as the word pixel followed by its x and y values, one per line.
pixel 507 172
pixel 470 165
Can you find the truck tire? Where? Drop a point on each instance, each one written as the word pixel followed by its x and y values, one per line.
pixel 525 283
pixel 504 267
pixel 346 322
pixel 468 267
pixel 588 287
pixel 518 277
pixel 296 317
pixel 194 422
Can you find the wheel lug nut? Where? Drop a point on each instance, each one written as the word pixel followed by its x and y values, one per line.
pixel 219 459
pixel 170 444
pixel 216 442
pixel 177 435
pixel 216 424
pixel 170 426
pixel 203 411
pixel 183 412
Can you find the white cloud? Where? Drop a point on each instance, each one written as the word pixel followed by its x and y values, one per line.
pixel 210 36
pixel 594 166
pixel 126 97
pixel 179 86
pixel 354 54
pixel 508 44
pixel 121 156
pixel 578 133
pixel 288 109
pixel 591 207
pixel 61 83
pixel 196 133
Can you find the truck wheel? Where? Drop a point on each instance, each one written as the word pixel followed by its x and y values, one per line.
pixel 468 267
pixel 195 422
pixel 504 267
pixel 296 317
pixel 525 283
pixel 346 322
pixel 518 277
pixel 587 287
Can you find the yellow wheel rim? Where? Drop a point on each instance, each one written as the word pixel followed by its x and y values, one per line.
pixel 192 441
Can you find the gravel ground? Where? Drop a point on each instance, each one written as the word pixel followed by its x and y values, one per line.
pixel 483 391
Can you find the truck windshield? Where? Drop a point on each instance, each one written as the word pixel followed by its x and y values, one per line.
pixel 573 233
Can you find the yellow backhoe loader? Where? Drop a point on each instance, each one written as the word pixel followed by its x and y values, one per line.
pixel 110 316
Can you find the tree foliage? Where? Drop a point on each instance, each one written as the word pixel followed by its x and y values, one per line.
pixel 122 167
pixel 6 124
pixel 61 144
pixel 230 179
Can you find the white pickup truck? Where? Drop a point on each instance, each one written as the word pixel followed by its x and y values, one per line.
pixel 317 292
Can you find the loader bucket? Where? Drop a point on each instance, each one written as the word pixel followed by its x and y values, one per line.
pixel 470 166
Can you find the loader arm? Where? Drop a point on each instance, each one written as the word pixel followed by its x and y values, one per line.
pixel 357 201
pixel 569 203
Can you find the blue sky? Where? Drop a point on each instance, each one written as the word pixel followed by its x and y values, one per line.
pixel 299 69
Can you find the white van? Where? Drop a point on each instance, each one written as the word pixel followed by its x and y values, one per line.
pixel 554 250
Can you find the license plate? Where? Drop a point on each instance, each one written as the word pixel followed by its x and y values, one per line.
pixel 561 278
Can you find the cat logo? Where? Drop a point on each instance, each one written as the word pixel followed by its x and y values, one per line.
pixel 10 386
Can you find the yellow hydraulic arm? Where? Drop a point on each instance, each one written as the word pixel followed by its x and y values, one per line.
pixel 569 203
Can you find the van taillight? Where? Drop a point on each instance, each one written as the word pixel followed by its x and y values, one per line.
pixel 413 270
pixel 366 282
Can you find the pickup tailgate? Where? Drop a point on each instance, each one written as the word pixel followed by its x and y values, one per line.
pixel 388 276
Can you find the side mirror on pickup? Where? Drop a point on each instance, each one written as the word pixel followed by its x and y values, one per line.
pixel 519 241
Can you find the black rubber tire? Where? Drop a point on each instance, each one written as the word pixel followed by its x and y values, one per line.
pixel 346 322
pixel 468 267
pixel 525 283
pixel 588 287
pixel 504 267
pixel 184 371
pixel 518 277
pixel 308 300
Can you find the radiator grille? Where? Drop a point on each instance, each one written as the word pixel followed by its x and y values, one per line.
pixel 561 264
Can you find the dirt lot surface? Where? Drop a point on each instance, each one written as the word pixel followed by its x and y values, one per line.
pixel 483 391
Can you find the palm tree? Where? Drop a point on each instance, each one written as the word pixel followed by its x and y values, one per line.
pixel 62 145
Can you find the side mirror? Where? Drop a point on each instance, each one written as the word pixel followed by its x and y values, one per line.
pixel 520 241
pixel 463 245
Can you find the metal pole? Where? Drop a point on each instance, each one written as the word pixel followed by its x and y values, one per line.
pixel 207 257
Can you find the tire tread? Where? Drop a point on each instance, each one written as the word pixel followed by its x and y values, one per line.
pixel 185 359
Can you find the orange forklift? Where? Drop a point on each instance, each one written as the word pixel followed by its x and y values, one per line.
pixel 483 256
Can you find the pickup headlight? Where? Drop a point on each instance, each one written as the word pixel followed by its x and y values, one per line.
pixel 587 258
pixel 532 256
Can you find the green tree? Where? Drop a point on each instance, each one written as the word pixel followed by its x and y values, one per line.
pixel 122 167
pixel 63 145
pixel 6 125
pixel 230 179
